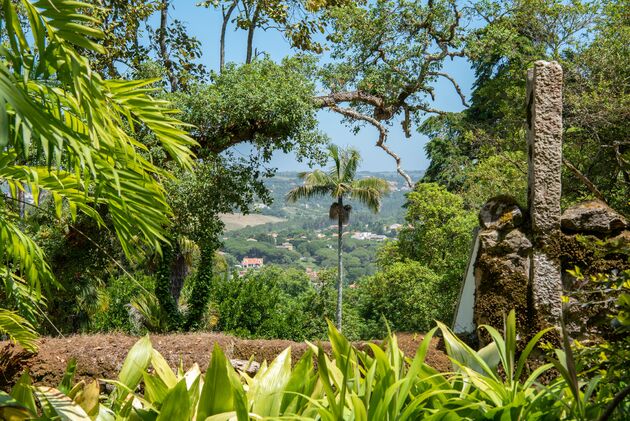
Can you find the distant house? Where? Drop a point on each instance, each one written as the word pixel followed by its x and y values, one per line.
pixel 286 245
pixel 252 263
pixel 368 236
pixel 395 227
pixel 312 274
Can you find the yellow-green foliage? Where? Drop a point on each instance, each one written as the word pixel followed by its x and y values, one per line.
pixel 349 383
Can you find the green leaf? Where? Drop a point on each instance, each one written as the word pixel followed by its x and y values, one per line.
pixel 12 409
pixel 216 395
pixel 60 405
pixel 66 382
pixel 176 404
pixel 23 392
pixel 136 363
pixel 267 388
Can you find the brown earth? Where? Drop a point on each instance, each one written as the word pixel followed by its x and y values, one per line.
pixel 102 355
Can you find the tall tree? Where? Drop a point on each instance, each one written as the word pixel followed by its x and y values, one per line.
pixel 339 182
pixel 590 40
pixel 65 132
pixel 386 56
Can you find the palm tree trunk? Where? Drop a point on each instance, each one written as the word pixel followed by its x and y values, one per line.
pixel 339 263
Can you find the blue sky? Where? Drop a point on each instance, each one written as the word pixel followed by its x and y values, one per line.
pixel 205 25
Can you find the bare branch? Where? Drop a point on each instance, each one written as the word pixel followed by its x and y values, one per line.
pixel 588 183
pixel 338 97
pixel 454 83
pixel 381 138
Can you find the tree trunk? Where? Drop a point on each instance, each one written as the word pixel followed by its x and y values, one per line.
pixel 200 294
pixel 163 288
pixel 168 64
pixel 250 34
pixel 339 263
pixel 226 20
pixel 179 272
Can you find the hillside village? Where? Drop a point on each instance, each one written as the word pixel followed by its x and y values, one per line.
pixel 301 235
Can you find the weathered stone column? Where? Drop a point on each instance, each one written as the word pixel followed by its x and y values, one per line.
pixel 544 139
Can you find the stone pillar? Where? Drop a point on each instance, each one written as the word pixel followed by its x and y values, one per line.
pixel 544 140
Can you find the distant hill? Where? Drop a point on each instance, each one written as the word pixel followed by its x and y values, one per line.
pixel 300 235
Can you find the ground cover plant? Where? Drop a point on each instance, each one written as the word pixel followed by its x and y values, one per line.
pixel 375 383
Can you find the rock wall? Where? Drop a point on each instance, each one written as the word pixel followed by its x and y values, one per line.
pixel 522 258
pixel 593 238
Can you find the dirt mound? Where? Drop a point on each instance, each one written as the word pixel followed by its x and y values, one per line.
pixel 102 355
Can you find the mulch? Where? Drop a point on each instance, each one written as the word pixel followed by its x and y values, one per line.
pixel 102 355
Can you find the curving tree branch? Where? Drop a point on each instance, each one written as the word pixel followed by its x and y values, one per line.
pixel 348 112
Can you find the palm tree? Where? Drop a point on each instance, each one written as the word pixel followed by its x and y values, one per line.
pixel 339 182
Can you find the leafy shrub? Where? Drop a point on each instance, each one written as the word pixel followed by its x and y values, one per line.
pixel 116 299
pixel 407 295
pixel 278 303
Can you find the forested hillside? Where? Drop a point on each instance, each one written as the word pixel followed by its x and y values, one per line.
pixel 305 238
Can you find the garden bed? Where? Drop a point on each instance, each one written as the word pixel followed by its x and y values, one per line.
pixel 102 355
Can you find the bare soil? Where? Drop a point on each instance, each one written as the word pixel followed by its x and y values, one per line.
pixel 102 355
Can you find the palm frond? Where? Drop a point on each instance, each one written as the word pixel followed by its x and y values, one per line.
pixel 335 153
pixel 316 183
pixel 382 186
pixel 319 178
pixel 18 329
pixel 22 255
pixel 306 192
pixel 370 192
pixel 53 104
pixel 351 162
pixel 82 124
pixel 19 297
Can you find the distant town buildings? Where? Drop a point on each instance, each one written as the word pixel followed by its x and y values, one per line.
pixel 368 236
pixel 252 263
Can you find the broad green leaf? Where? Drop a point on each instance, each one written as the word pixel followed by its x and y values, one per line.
pixel 163 370
pixel 61 405
pixel 11 409
pixel 216 395
pixel 135 365
pixel 22 391
pixel 176 405
pixel 267 389
pixel 88 399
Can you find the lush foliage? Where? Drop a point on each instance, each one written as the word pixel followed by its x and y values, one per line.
pixel 351 383
pixel 396 298
pixel 276 303
pixel 68 133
